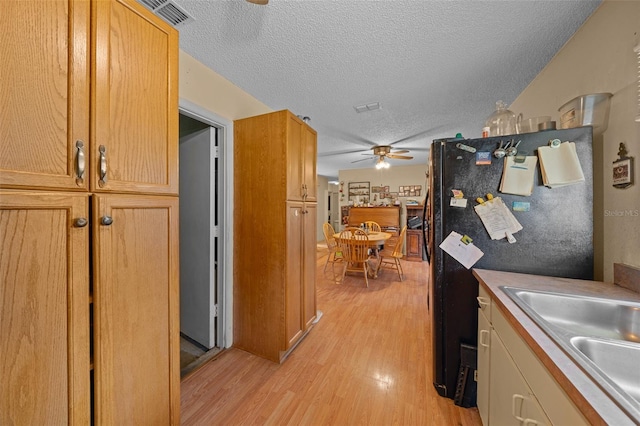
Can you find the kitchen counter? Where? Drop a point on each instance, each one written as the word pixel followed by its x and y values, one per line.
pixel 595 405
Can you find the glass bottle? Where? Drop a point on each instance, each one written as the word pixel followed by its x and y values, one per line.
pixel 502 121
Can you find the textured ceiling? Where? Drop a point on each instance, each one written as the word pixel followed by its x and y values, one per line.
pixel 436 67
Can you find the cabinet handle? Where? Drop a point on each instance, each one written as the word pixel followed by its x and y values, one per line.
pixel 103 165
pixel 482 302
pixel 483 341
pixel 530 422
pixel 80 162
pixel 106 220
pixel 80 222
pixel 514 398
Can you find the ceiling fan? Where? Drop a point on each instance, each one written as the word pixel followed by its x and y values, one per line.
pixel 383 152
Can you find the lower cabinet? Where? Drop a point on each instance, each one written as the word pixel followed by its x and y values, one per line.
pixel 511 401
pixel 136 317
pixel 514 387
pixel 89 324
pixel 44 309
pixel 275 297
pixel 413 245
pixel 483 369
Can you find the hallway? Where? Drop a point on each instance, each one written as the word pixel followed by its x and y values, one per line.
pixel 367 361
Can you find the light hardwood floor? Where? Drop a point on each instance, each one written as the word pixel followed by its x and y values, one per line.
pixel 366 362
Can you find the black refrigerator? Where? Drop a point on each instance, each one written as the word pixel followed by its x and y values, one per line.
pixel 556 239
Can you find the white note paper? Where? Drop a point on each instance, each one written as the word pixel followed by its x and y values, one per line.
pixel 498 219
pixel 467 254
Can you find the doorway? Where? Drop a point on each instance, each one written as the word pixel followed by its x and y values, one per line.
pixel 202 244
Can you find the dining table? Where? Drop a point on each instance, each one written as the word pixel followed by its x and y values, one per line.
pixel 375 240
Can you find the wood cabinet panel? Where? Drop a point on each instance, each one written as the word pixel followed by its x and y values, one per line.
pixel 309 269
pixel 294 262
pixel 103 72
pixel 310 137
pixel 273 300
pixel 414 245
pixel 44 309
pixel 301 174
pixel 136 276
pixel 134 99
pixel 44 93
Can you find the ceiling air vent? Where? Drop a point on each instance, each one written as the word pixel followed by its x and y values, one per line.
pixel 169 11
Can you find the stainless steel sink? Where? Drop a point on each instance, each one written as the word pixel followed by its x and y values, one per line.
pixel 602 335
pixel 589 316
pixel 617 360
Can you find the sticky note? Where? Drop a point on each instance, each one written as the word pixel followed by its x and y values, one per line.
pixel 458 202
pixel 521 206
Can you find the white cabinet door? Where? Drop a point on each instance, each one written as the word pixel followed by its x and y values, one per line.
pixel 484 344
pixel 511 399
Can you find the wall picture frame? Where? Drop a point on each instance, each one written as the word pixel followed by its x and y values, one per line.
pixel 623 173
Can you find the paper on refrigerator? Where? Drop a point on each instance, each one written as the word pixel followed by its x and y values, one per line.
pixel 560 166
pixel 467 254
pixel 518 178
pixel 498 219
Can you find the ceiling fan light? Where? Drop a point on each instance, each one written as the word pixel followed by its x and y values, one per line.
pixel 381 163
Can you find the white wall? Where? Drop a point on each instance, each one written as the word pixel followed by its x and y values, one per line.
pixel 600 58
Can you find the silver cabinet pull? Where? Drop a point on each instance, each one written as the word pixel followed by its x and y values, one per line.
pixel 80 162
pixel 80 222
pixel 103 165
pixel 106 220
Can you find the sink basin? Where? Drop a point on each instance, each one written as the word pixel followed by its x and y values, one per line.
pixel 602 335
pixel 617 360
pixel 589 316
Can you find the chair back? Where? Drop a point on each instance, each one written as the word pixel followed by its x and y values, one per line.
pixel 328 231
pixel 373 226
pixel 354 243
pixel 397 250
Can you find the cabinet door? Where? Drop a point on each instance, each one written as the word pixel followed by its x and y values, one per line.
pixel 511 401
pixel 309 137
pixel 44 310
pixel 295 158
pixel 309 268
pixel 484 366
pixel 294 290
pixel 134 103
pixel 414 245
pixel 136 320
pixel 44 93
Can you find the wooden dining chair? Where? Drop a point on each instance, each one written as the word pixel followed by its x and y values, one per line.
pixel 354 244
pixel 372 226
pixel 335 255
pixel 390 257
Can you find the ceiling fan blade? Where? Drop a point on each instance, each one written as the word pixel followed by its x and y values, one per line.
pixel 364 159
pixel 400 157
pixel 349 151
pixel 401 151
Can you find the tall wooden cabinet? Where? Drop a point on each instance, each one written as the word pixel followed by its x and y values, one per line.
pixel 274 233
pixel 89 327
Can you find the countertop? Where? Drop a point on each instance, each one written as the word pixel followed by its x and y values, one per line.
pixel 596 406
